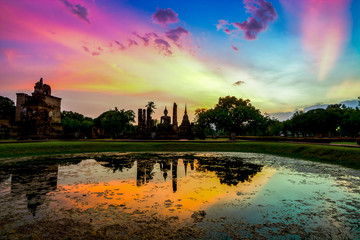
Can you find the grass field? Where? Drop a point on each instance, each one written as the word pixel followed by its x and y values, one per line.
pixel 348 157
pixel 345 143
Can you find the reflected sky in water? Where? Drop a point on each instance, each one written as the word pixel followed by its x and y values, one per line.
pixel 261 192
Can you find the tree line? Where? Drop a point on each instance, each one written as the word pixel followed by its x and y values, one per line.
pixel 112 123
pixel 230 116
pixel 238 116
pixel 336 120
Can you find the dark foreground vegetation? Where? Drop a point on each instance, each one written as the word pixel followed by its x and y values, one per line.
pixel 348 157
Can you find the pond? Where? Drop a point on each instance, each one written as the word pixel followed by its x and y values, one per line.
pixel 179 196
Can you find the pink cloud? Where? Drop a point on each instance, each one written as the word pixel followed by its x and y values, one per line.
pixel 324 29
pixel 132 42
pixel 54 25
pixel 222 24
pixel 165 16
pixel 227 31
pixel 145 39
pixel 77 9
pixel 93 53
pixel 235 48
pixel 163 47
pixel 121 46
pixel 175 34
pixel 262 14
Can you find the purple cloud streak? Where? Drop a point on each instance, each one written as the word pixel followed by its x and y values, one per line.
pixel 121 46
pixel 78 9
pixel 94 53
pixel 175 34
pixel 163 47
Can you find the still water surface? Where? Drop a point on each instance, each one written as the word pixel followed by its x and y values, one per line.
pixel 197 195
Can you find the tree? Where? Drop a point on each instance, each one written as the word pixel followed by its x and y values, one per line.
pixel 7 108
pixel 75 123
pixel 151 105
pixel 231 102
pixel 232 115
pixel 275 126
pixel 114 122
pixel 350 125
pixel 205 122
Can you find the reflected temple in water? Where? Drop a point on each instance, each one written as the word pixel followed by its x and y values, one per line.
pixel 36 181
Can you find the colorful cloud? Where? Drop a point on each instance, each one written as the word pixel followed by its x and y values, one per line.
pixel 262 14
pixel 77 9
pixel 163 46
pixel 222 25
pixel 235 48
pixel 165 16
pixel 134 50
pixel 175 34
pixel 325 27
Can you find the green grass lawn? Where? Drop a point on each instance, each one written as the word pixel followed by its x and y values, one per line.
pixel 349 157
pixel 345 143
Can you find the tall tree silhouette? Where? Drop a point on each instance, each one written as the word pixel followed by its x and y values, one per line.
pixel 151 105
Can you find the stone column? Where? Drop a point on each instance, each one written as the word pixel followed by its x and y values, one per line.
pixel 175 123
pixel 140 118
pixel 148 118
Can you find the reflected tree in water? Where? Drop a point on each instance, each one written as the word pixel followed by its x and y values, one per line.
pixel 229 171
pixel 36 181
pixel 116 164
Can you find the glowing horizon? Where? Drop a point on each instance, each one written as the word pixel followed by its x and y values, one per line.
pixel 280 54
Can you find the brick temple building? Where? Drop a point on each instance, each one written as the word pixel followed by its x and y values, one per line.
pixel 38 115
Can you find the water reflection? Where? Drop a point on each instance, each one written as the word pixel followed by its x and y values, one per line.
pixel 255 197
pixel 35 182
pixel 228 171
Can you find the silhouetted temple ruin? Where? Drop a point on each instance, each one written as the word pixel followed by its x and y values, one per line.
pixel 145 123
pixel 186 128
pixel 38 115
pixel 165 129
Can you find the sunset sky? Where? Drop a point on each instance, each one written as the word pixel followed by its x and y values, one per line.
pixel 281 54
